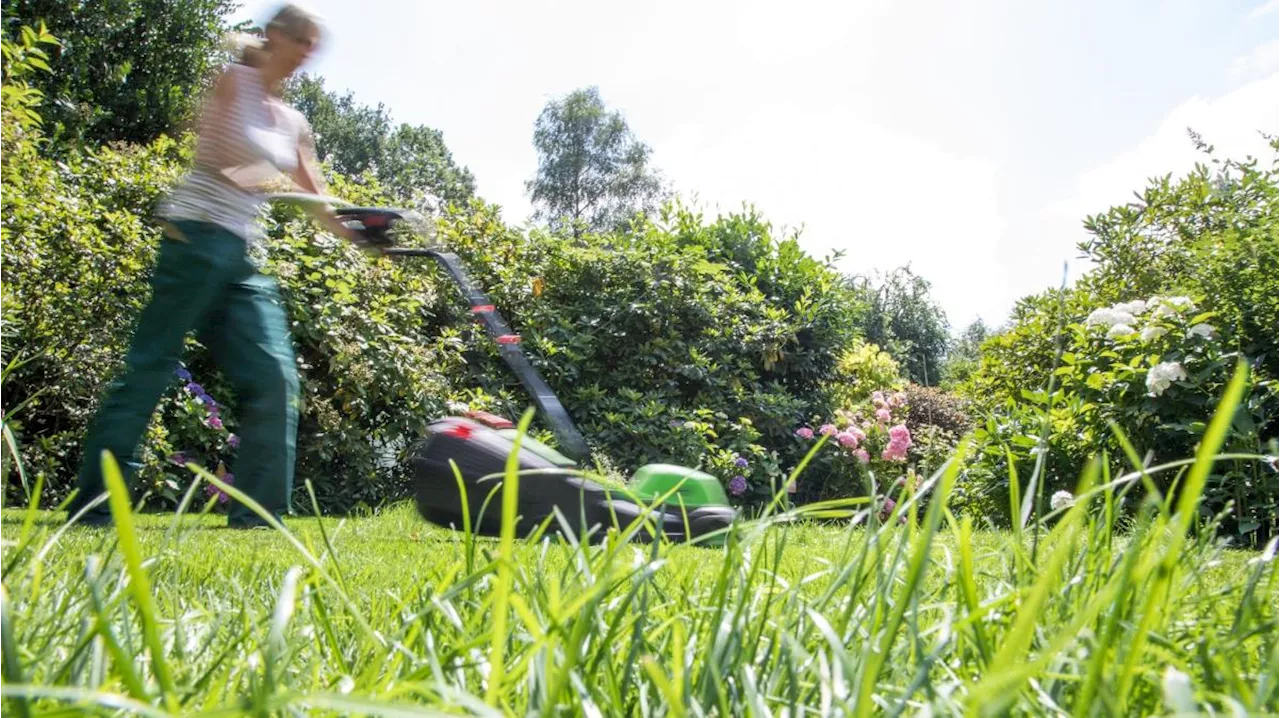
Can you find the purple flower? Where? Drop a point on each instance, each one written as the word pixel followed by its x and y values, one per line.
pixel 804 432
pixel 215 423
pixel 178 458
pixel 740 462
pixel 207 401
pixel 233 441
pixel 738 485
pixel 212 490
pixel 887 506
pixel 195 388
pixel 183 374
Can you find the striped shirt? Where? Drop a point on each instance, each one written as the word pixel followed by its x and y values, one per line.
pixel 256 128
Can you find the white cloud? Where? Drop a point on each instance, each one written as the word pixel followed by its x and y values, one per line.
pixel 1264 9
pixel 1231 123
pixel 885 197
pixel 1263 60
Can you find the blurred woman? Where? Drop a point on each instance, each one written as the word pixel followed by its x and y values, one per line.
pixel 205 281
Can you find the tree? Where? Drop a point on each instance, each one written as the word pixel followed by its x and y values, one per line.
pixel 906 322
pixel 593 174
pixel 409 160
pixel 127 70
pixel 965 354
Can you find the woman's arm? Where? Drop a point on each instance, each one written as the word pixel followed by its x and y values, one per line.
pixel 307 177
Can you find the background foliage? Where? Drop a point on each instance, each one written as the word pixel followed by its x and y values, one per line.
pixel 410 162
pixel 593 173
pixel 127 70
pixel 1209 237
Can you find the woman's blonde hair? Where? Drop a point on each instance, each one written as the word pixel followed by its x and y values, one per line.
pixel 291 19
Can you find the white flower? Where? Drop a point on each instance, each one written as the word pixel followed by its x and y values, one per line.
pixel 1164 374
pixel 1098 316
pixel 1153 333
pixel 1109 317
pixel 1179 696
pixel 1061 499
pixel 1202 330
pixel 1119 330
pixel 1137 306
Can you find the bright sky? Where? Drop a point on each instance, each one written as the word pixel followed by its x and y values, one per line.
pixel 966 139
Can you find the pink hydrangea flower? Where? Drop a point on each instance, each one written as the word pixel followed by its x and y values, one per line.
pixel 215 423
pixel 900 435
pixel 847 440
pixel 858 434
pixel 883 416
pixel 862 456
pixel 877 398
pixel 804 432
pixel 827 429
pixel 894 452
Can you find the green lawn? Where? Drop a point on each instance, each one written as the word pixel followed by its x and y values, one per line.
pixel 388 615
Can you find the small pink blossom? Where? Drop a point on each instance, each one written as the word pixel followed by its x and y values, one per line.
pixel 862 456
pixel 894 452
pixel 883 416
pixel 827 429
pixel 900 435
pixel 804 432
pixel 877 398
pixel 857 433
pixel 215 423
pixel 847 440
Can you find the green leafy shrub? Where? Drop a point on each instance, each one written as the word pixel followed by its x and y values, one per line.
pixel 694 342
pixel 1153 369
pixel 1194 252
pixel 679 340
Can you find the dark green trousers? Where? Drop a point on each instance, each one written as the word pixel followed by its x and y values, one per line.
pixel 204 282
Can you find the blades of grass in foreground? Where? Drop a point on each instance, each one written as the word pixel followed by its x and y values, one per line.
pixel 915 575
pixel 140 584
pixel 12 669
pixel 1215 434
pixel 506 566
pixel 999 687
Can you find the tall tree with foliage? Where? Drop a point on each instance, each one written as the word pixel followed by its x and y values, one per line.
pixel 593 174
pixel 410 161
pixel 906 322
pixel 127 70
pixel 965 353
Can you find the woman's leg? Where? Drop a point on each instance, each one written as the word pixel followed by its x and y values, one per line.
pixel 187 282
pixel 250 341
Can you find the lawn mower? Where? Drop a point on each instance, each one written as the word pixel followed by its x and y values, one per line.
pixel 458 466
